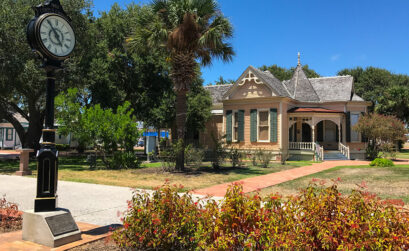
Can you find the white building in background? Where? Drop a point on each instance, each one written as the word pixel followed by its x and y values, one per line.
pixel 9 138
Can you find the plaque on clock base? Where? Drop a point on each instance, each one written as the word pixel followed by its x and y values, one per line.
pixel 51 229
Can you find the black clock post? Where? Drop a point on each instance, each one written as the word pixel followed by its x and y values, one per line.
pixel 47 156
pixel 51 36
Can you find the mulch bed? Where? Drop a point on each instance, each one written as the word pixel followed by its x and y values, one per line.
pixel 100 245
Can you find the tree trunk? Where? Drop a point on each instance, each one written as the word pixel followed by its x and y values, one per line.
pixel 33 134
pixel 181 110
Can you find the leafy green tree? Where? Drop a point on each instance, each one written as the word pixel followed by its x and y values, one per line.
pixel 187 31
pixel 395 101
pixel 283 73
pixel 388 92
pixel 22 81
pixel 112 134
pixel 380 130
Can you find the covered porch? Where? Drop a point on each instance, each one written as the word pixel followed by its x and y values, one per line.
pixel 315 129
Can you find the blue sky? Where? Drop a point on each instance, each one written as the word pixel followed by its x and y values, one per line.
pixel 329 34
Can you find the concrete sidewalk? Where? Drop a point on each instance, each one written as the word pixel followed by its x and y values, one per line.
pixel 91 203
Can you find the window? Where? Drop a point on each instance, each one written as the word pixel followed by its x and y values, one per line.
pixel 354 120
pixel 9 134
pixel 236 126
pixel 263 126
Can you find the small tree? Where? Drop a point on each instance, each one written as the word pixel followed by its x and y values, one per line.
pixel 380 130
pixel 112 134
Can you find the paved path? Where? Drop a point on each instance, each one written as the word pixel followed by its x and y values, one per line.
pixel 91 203
pixel 99 204
pixel 263 181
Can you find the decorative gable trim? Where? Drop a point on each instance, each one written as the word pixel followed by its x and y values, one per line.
pixel 249 77
pixel 245 77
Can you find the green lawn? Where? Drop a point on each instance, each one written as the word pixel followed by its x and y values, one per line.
pixel 151 175
pixel 386 182
pixel 403 154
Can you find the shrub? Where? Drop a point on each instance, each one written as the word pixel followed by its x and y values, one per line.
pixel 124 160
pixel 319 218
pixel 62 147
pixel 10 217
pixel 168 156
pixel 218 152
pixel 253 157
pixel 163 221
pixel 236 157
pixel 194 156
pixel 265 157
pixel 381 162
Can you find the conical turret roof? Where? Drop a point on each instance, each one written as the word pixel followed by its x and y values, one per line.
pixel 299 87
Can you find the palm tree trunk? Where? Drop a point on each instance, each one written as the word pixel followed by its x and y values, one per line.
pixel 181 110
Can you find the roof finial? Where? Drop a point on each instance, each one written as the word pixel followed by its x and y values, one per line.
pixel 299 62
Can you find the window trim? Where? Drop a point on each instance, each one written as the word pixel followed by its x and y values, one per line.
pixel 268 124
pixel 233 120
pixel 351 125
pixel 7 134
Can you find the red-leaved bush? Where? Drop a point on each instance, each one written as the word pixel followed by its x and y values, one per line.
pixel 318 218
pixel 10 217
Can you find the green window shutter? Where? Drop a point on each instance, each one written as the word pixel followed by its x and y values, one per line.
pixel 253 125
pixel 363 138
pixel 228 126
pixel 273 125
pixel 241 125
pixel 348 126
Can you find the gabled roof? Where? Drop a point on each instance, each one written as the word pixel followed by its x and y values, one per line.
pixel 338 88
pixel 269 79
pixel 357 98
pixel 217 92
pixel 266 78
pixel 300 88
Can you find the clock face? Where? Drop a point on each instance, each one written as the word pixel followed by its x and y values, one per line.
pixel 57 36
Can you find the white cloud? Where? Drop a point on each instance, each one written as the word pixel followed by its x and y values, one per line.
pixel 335 57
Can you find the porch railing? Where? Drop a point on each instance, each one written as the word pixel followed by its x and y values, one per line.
pixel 344 150
pixel 301 146
pixel 319 151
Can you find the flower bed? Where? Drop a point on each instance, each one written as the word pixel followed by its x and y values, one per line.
pixel 10 216
pixel 317 218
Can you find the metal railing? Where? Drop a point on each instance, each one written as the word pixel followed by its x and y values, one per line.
pixel 319 151
pixel 301 146
pixel 344 150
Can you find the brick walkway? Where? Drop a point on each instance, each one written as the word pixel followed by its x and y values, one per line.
pixel 263 181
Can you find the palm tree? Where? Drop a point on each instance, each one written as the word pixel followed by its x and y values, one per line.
pixel 191 32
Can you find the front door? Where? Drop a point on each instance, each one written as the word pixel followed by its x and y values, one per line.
pixel 306 133
pixel 330 135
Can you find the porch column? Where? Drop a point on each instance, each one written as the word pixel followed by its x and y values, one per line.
pixel 339 132
pixel 313 133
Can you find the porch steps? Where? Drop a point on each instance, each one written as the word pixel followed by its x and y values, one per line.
pixel 334 155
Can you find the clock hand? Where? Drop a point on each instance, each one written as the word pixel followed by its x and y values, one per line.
pixel 55 32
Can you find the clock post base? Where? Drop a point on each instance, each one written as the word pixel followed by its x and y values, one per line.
pixel 51 229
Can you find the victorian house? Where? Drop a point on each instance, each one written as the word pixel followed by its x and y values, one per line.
pixel 306 118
